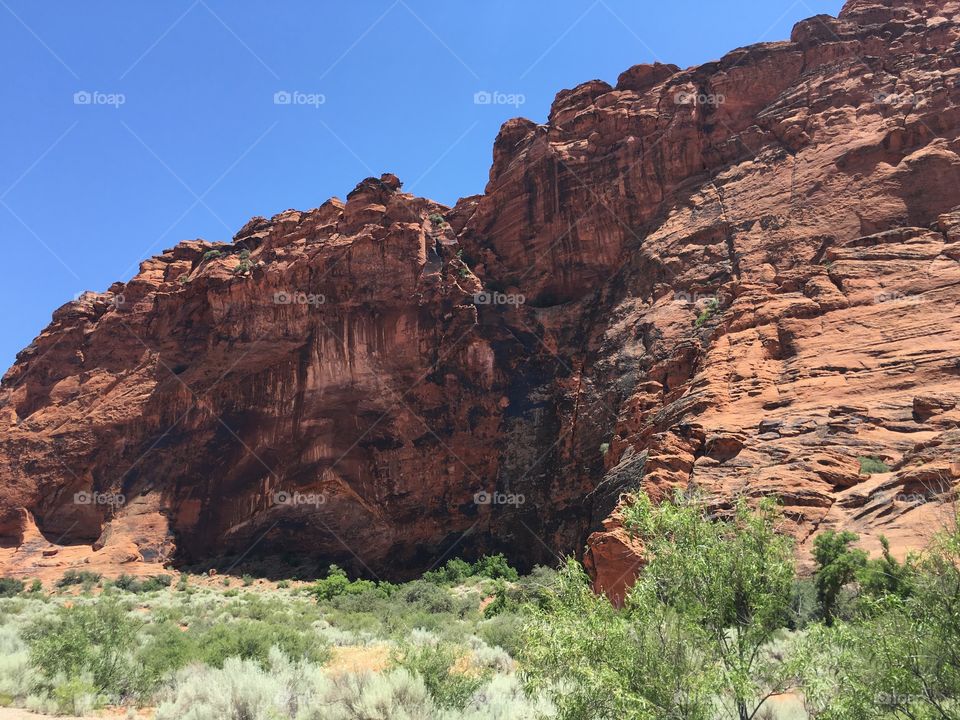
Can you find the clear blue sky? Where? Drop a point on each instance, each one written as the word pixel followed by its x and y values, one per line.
pixel 198 145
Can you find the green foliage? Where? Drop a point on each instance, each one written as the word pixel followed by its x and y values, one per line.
pixel 252 640
pixel 244 254
pixel 700 628
pixel 837 565
pixel 10 587
pixel 713 305
pixel 901 658
pixel 886 576
pixel 614 664
pixel 457 570
pixel 86 639
pixel 150 584
pixel 870 465
pixel 336 583
pixel 449 686
pixel 243 267
pixel 84 578
pixel 438 220
pixel 804 605
pixel 247 580
pixel 167 649
pixel 212 254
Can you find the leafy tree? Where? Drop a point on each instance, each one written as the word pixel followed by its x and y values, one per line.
pixel 733 579
pixel 640 663
pixel 901 659
pixel 837 566
pixel 699 634
pixel 885 575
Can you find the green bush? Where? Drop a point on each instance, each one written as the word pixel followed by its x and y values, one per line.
pixel 450 687
pixel 86 640
pixel 337 583
pixel 898 658
pixel 252 640
pixel 713 305
pixel 457 570
pixel 79 577
pixel 10 587
pixel 150 584
pixel 212 254
pixel 870 465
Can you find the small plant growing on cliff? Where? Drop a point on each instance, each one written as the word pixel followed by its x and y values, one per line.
pixel 438 220
pixel 244 254
pixel 243 268
pixel 212 255
pixel 183 279
pixel 604 448
pixel 870 465
pixel 713 305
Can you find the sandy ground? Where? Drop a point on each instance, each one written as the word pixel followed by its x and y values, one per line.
pixel 16 714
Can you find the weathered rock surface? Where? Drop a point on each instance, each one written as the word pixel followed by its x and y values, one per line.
pixel 739 278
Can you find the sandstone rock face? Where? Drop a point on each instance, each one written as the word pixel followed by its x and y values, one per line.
pixel 738 278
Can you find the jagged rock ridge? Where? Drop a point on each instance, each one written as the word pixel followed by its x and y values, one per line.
pixel 739 278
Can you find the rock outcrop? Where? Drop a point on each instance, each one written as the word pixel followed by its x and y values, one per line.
pixel 738 278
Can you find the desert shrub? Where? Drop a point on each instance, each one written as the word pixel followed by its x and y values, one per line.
pixel 241 689
pixel 804 606
pixel 88 642
pixel 711 309
pixel 611 665
pixel 10 587
pixel 16 673
pixel 454 571
pixel 436 664
pixel 504 631
pixel 495 567
pixel 394 695
pixel 165 648
pixel 150 584
pixel 503 698
pixel 427 596
pixel 252 640
pixel 870 465
pixel 212 254
pixel 886 575
pixel 79 577
pixel 76 696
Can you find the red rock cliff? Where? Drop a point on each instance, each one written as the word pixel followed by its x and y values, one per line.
pixel 739 278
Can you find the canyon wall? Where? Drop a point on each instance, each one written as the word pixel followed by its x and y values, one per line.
pixel 740 278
